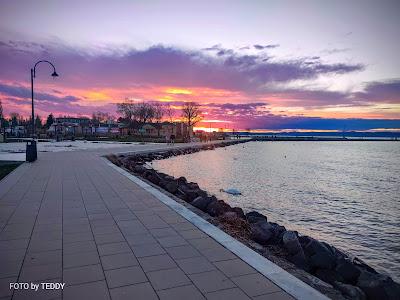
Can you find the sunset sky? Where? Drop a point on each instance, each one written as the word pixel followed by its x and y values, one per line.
pixel 312 65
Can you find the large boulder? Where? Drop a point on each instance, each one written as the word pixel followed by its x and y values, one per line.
pixel 217 208
pixel 348 271
pixel 181 180
pixel 202 202
pixel 261 232
pixel 291 242
pixel 278 231
pixel 328 276
pixel 171 187
pixel 378 286
pixel 299 259
pixel 139 169
pixel 319 255
pixel 239 212
pixel 323 260
pixel 254 217
pixel 350 291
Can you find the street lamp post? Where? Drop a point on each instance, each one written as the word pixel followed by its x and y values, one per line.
pixel 31 150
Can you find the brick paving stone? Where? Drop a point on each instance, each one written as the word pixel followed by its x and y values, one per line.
pixel 95 290
pixel 182 292
pixel 114 248
pixel 81 259
pixel 181 252
pixel 229 294
pixel 135 291
pixel 255 284
pixel 275 296
pixel 234 267
pixel 147 250
pixel 119 260
pixel 157 262
pixel 83 274
pixel 211 281
pixel 170 278
pixel 195 265
pixel 125 276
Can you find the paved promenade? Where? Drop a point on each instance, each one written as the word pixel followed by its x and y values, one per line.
pixel 71 218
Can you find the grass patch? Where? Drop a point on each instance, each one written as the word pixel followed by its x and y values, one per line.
pixel 7 167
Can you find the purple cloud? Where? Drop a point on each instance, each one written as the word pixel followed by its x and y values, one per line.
pixel 263 47
pixel 161 65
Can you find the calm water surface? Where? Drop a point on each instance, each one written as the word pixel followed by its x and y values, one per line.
pixel 344 193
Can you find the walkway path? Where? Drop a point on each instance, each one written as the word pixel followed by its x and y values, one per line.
pixel 69 217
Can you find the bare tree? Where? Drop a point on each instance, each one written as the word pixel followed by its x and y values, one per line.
pixel 169 112
pixel 101 117
pixel 127 110
pixel 144 113
pixel 191 113
pixel 159 111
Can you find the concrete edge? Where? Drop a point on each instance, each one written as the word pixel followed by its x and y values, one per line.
pixel 289 283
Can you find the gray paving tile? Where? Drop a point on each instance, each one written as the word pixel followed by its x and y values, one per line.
pixel 163 232
pixel 170 278
pixel 43 258
pixel 40 272
pixel 10 268
pixel 234 267
pixel 14 244
pixel 192 234
pixel 140 239
pixel 45 245
pixel 5 286
pixel 81 259
pixel 12 255
pixel 119 260
pixel 172 241
pixel 181 292
pixel 181 252
pixel 109 238
pixel 217 254
pixel 229 294
pixel 275 296
pixel 195 265
pixel 83 274
pixel 147 250
pixel 79 247
pixel 135 291
pixel 113 248
pixel 95 290
pixel 211 281
pixel 125 276
pixel 157 262
pixel 204 243
pixel 255 284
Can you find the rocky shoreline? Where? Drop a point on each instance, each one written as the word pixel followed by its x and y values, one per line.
pixel 345 276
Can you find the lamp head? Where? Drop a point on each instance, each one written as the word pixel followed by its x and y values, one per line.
pixel 54 74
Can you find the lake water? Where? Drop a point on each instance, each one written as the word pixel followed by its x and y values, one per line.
pixel 344 193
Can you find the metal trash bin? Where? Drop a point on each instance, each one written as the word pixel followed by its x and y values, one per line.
pixel 31 151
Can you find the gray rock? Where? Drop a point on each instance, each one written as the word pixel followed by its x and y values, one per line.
pixel 254 217
pixel 202 202
pixel 350 291
pixel 217 208
pixel 322 260
pixel 291 242
pixel 378 286
pixel 261 232
pixel 171 187
pixel 348 271
pixel 328 276
pixel 299 259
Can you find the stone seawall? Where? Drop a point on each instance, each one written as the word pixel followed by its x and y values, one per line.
pixel 353 278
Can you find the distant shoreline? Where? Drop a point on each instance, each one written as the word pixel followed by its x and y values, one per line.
pixel 321 139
